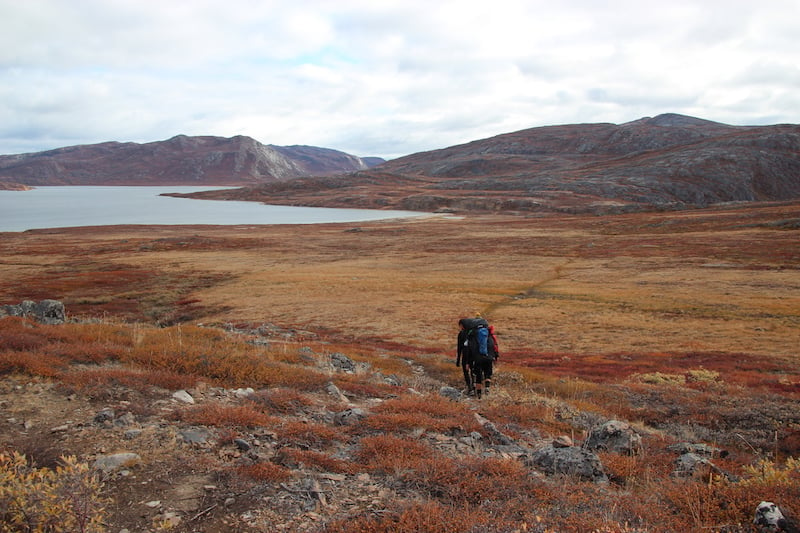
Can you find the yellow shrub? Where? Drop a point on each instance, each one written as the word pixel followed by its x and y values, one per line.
pixel 44 500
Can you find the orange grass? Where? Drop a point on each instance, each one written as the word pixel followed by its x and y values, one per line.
pixel 391 455
pixel 306 434
pixel 314 460
pixel 432 413
pixel 426 517
pixel 226 416
pixel 96 380
pixel 265 472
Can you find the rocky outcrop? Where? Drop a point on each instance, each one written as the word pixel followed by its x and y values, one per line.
pixel 181 160
pixel 769 518
pixel 614 436
pixel 556 459
pixel 45 311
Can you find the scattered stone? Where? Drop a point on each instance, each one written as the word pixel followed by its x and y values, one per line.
pixel 243 393
pixel 183 396
pixel 703 450
pixel 125 420
pixel 769 518
pixel 392 380
pixel 195 436
pixel 153 504
pixel 132 434
pixel 572 461
pixel 334 391
pixel 242 444
pixel 59 429
pixel 343 363
pixel 450 393
pixel 691 465
pixel 104 415
pixel 46 311
pixel 563 441
pixel 495 435
pixel 349 417
pixel 614 436
pixel 109 463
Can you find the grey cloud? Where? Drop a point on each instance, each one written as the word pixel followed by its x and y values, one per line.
pixel 380 78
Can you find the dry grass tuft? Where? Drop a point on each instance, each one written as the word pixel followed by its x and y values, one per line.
pixel 282 400
pixel 226 416
pixel 265 472
pixel 428 412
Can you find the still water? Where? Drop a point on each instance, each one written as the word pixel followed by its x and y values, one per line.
pixel 61 207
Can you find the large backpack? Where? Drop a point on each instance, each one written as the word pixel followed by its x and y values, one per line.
pixel 480 345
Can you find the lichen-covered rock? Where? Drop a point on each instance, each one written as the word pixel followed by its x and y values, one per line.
pixel 572 461
pixel 614 436
pixel 110 463
pixel 770 518
pixel 45 311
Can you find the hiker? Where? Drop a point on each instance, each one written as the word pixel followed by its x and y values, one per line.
pixel 462 356
pixel 493 351
pixel 479 347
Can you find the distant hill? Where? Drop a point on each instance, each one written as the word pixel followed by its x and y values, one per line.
pixel 180 160
pixel 666 161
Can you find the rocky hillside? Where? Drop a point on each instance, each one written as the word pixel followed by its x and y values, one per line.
pixel 666 161
pixel 180 160
pixel 280 435
pixel 663 160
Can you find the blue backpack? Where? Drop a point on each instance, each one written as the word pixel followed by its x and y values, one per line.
pixel 479 343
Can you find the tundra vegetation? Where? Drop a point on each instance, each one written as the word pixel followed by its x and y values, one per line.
pixel 314 359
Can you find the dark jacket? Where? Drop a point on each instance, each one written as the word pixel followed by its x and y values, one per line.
pixel 462 354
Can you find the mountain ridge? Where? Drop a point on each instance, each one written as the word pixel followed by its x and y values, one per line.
pixel 661 162
pixel 179 160
pixel 667 161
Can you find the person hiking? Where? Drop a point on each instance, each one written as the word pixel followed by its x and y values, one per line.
pixel 493 348
pixel 478 347
pixel 463 358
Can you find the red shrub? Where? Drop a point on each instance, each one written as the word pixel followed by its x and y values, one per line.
pixel 213 414
pixel 265 471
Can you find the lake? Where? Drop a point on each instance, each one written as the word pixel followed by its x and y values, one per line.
pixel 61 207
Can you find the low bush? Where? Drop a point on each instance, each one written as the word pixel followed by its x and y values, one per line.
pixel 67 498
pixel 306 434
pixel 314 460
pixel 226 416
pixel 265 471
pixel 427 412
pixel 389 454
pixel 282 400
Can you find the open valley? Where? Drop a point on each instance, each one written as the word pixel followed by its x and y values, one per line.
pixel 683 324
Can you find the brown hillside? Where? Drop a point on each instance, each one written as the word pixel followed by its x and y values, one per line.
pixel 180 160
pixel 669 161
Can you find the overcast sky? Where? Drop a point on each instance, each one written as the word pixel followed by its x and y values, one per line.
pixel 384 77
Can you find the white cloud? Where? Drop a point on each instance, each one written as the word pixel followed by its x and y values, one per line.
pixel 382 78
